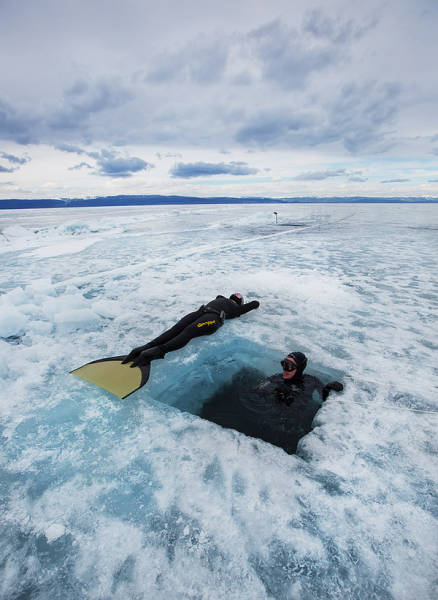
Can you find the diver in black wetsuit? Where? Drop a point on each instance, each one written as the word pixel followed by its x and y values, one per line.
pixel 292 386
pixel 204 321
pixel 279 410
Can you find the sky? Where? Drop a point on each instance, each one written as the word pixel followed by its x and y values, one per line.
pixel 231 98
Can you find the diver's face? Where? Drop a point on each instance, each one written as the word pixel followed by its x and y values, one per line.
pixel 289 367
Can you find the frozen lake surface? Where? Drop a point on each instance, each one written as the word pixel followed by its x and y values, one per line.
pixel 141 498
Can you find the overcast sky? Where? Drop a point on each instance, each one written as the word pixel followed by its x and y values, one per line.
pixel 194 97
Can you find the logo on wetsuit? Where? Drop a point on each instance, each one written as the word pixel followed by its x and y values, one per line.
pixel 205 323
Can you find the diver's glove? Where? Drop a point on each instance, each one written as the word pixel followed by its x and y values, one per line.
pixel 244 308
pixel 336 386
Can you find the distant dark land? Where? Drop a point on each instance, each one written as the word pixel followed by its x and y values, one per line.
pixel 123 200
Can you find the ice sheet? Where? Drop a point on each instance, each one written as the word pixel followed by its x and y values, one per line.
pixel 143 499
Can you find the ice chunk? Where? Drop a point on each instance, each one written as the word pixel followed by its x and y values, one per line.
pixel 63 303
pixel 40 327
pixel 12 321
pixel 75 319
pixel 106 308
pixel 15 231
pixel 42 287
pixel 58 249
pixel 16 297
pixel 75 228
pixel 54 531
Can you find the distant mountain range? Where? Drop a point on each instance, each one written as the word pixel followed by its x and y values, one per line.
pixel 123 200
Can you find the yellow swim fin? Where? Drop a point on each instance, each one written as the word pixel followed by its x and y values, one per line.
pixel 111 375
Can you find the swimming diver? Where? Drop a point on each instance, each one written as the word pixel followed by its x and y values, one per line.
pixel 292 386
pixel 204 321
pixel 279 410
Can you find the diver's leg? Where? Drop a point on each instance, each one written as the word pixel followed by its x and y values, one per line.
pixel 204 325
pixel 166 336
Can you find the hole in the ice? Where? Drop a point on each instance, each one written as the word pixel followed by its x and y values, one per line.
pixel 229 384
pixel 243 405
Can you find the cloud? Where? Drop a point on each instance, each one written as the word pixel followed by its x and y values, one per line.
pixel 358 117
pixel 274 52
pixel 289 56
pixel 277 128
pixel 84 99
pixel 357 179
pixel 80 166
pixel 17 160
pixel 432 181
pixel 54 119
pixel 203 169
pixel 286 57
pixel 201 60
pixel 395 180
pixel 322 26
pixel 307 83
pixel 70 148
pixel 160 156
pixel 353 176
pixel 15 126
pixel 319 175
pixel 112 165
pixel 359 114
pixel 109 162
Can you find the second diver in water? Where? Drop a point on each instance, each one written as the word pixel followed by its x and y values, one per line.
pixel 279 410
pixel 293 386
pixel 204 321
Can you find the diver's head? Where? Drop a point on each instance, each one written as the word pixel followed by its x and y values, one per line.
pixel 237 297
pixel 293 365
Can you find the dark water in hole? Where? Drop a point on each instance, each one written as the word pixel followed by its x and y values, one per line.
pixel 244 404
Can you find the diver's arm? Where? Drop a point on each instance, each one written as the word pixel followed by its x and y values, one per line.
pixel 335 386
pixel 249 306
pixel 268 385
